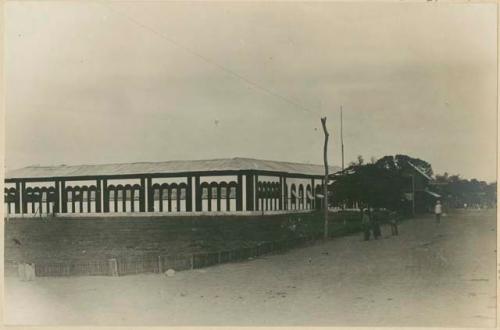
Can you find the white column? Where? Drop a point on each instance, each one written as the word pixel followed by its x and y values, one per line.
pixel 244 192
pixel 61 195
pixel 255 194
pixel 146 195
pixel 282 183
pixel 21 198
pixel 193 194
pixel 101 196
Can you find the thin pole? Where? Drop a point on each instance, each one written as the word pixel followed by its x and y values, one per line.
pixel 342 146
pixel 325 184
pixel 413 193
pixel 342 137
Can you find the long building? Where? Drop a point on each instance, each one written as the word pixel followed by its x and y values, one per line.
pixel 172 187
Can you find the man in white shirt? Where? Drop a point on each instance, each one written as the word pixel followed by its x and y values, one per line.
pixel 438 209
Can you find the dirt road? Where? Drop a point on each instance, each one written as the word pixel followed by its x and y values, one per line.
pixel 429 275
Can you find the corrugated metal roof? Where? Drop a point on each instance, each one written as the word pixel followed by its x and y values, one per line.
pixel 420 171
pixel 433 194
pixel 170 167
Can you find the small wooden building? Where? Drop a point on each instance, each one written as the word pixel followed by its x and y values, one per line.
pixel 418 191
pixel 172 187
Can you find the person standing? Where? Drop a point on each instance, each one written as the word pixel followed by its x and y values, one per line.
pixel 438 210
pixel 394 223
pixel 366 224
pixel 377 232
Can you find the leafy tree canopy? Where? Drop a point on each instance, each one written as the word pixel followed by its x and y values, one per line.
pixel 370 185
pixel 400 162
pixel 460 191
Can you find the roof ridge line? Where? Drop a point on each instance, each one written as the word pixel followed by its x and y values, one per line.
pixel 173 160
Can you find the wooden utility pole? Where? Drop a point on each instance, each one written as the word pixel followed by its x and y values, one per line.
pixel 342 137
pixel 413 194
pixel 342 149
pixel 325 183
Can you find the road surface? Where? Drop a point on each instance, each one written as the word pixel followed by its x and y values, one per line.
pixel 429 275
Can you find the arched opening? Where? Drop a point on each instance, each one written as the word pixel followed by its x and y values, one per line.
pixel 214 199
pixel 119 199
pixel 67 195
pixel 181 197
pixel 135 197
pixel 231 197
pixel 131 198
pixel 318 203
pixel 272 196
pixel 267 195
pixel 53 200
pixel 85 200
pixel 165 201
pixel 10 200
pixel 205 196
pixel 43 201
pixel 76 200
pixel 92 199
pixel 260 196
pixel 112 198
pixel 155 188
pixel 174 194
pixel 126 197
pixel 277 195
pixel 33 200
pixel 309 197
pixel 223 191
pixel 301 197
pixel 286 198
pixel 293 197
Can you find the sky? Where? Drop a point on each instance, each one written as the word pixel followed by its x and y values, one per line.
pixel 112 82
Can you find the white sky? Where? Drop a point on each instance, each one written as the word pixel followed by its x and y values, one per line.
pixel 95 83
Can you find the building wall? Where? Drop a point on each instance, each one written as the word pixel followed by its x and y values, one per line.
pixel 245 191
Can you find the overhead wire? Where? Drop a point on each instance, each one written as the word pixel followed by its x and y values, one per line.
pixel 206 59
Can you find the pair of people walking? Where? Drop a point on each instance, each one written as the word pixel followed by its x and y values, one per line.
pixel 370 225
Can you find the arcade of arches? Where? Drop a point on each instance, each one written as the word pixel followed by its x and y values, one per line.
pixel 192 193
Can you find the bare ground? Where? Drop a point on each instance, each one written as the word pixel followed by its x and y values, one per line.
pixel 429 275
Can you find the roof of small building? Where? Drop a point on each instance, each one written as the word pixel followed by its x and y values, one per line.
pixel 416 168
pixel 167 167
pixel 433 194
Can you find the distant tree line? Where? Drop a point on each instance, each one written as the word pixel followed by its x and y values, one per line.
pixel 465 193
pixel 382 183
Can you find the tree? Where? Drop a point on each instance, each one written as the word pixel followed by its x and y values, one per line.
pixel 442 178
pixel 359 161
pixel 370 185
pixel 388 163
pixel 400 162
pixel 459 192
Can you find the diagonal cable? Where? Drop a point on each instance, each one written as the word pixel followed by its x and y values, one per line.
pixel 207 60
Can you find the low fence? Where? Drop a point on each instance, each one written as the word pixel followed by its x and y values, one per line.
pixel 70 269
pixel 161 263
pixel 158 263
pixel 165 215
